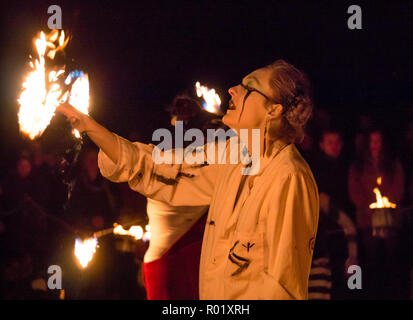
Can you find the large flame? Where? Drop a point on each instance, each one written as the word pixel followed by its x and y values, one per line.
pixel 85 250
pixel 212 100
pixel 381 201
pixel 41 89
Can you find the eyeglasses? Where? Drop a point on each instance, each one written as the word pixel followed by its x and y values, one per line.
pixel 249 90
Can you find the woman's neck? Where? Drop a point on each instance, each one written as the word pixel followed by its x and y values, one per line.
pixel 267 146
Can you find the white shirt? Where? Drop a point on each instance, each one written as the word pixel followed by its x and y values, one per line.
pixel 262 248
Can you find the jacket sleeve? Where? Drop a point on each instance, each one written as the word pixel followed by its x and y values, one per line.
pixel 174 184
pixel 291 243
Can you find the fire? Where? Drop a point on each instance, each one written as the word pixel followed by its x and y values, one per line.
pixel 42 91
pixel 85 250
pixel 381 201
pixel 134 231
pixel 212 100
pixel 79 94
pixel 147 234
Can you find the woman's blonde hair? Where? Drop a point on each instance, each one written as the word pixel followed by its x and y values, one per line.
pixel 292 89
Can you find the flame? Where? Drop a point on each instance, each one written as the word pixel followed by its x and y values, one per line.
pixel 379 181
pixel 211 98
pixel 147 234
pixel 79 95
pixel 39 97
pixel 134 231
pixel 381 201
pixel 85 250
pixel 41 90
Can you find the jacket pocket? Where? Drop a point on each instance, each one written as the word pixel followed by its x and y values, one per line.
pixel 246 256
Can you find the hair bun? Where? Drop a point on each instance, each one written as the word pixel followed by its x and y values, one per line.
pixel 292 89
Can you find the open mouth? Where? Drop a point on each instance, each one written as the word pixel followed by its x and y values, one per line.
pixel 231 105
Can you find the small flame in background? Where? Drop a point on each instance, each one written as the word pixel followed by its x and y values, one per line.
pixel 41 90
pixel 381 201
pixel 134 231
pixel 85 250
pixel 212 100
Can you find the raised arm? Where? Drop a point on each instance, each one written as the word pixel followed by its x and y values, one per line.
pixel 123 161
pixel 101 136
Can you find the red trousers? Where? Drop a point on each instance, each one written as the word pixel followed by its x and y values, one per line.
pixel 175 276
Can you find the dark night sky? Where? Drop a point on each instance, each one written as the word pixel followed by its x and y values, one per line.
pixel 139 55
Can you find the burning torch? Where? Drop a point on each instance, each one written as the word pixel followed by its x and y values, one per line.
pixel 45 87
pixel 86 248
pixel 383 213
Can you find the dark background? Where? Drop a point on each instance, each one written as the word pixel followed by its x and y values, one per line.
pixel 140 54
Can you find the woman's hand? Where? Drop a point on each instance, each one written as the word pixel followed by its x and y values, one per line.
pixel 102 137
pixel 78 120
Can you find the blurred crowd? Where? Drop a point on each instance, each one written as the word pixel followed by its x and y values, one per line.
pixel 40 219
pixel 38 223
pixel 348 166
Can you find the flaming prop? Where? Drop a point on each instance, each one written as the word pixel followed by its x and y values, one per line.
pixel 212 100
pixel 85 250
pixel 382 218
pixel 79 93
pixel 134 231
pixel 42 91
pixel 381 202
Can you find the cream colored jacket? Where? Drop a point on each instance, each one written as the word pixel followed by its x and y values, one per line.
pixel 262 247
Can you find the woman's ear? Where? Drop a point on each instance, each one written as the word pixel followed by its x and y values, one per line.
pixel 275 111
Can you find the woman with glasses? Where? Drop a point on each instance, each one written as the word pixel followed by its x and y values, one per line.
pixel 261 227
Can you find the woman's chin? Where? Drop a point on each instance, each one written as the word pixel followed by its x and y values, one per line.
pixel 228 119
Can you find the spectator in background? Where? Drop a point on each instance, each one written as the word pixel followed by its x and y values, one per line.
pixel 376 161
pixel 331 170
pixel 361 138
pixel 336 248
pixel 331 222
pixel 318 123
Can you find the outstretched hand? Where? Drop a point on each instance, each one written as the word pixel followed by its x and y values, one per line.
pixel 77 119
